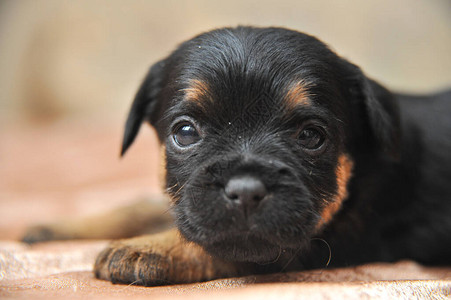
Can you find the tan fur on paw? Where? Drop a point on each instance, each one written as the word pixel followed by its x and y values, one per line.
pixel 158 260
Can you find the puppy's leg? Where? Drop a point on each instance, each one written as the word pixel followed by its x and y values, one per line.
pixel 164 258
pixel 141 217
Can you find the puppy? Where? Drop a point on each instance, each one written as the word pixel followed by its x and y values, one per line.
pixel 281 155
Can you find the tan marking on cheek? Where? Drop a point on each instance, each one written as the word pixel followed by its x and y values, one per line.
pixel 343 173
pixel 162 175
pixel 298 95
pixel 197 91
pixel 162 169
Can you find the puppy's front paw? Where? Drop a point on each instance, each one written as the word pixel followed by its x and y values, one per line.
pixel 159 259
pixel 122 263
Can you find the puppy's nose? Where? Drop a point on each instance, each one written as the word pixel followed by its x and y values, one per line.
pixel 247 191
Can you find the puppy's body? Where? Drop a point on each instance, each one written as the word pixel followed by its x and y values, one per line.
pixel 404 205
pixel 399 209
pixel 281 155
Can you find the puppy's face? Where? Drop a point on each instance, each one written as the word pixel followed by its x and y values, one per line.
pixel 259 127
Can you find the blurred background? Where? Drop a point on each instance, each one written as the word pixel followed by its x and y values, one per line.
pixel 69 70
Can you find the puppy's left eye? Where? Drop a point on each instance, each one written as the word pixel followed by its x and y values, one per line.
pixel 311 138
pixel 185 135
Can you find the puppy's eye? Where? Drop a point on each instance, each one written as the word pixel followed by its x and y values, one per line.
pixel 185 135
pixel 311 138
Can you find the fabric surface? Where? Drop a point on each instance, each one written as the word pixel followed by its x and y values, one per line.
pixel 70 170
pixel 64 269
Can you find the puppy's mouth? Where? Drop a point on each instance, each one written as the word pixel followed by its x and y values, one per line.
pixel 247 243
pixel 245 247
pixel 249 216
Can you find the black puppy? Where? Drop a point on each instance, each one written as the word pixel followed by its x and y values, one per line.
pixel 280 155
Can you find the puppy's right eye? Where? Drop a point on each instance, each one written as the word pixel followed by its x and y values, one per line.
pixel 311 138
pixel 185 135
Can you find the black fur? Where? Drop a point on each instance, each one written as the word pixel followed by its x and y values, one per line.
pixel 399 195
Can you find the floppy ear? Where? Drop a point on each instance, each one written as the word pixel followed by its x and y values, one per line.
pixel 144 104
pixel 380 111
pixel 383 116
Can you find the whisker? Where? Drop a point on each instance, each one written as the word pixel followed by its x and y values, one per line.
pixel 172 187
pixel 178 191
pixel 273 261
pixel 328 247
pixel 291 259
pixel 132 283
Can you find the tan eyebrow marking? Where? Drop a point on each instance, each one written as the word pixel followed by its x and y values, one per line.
pixel 298 94
pixel 197 91
pixel 343 173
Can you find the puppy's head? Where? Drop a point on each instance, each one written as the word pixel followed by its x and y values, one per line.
pixel 260 127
